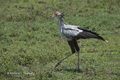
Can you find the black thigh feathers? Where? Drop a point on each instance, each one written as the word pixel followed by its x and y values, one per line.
pixel 74 46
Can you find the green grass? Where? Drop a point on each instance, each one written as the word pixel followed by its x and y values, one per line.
pixel 30 44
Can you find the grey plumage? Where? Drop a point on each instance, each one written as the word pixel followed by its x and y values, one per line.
pixel 72 33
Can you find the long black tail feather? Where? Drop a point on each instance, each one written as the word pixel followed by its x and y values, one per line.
pixel 89 34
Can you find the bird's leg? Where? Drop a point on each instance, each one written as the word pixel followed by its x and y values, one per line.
pixel 62 60
pixel 71 44
pixel 77 49
pixel 78 63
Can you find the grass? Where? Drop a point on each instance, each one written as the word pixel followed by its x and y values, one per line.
pixel 30 44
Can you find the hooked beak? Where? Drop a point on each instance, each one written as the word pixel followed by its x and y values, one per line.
pixel 53 16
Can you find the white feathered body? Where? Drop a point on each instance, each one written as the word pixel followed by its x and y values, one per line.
pixel 69 31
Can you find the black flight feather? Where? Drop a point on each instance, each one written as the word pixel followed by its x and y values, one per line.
pixel 88 34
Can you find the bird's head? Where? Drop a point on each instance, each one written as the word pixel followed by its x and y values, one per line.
pixel 58 14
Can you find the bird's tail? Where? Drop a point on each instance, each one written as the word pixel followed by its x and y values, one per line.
pixel 97 36
pixel 101 38
pixel 89 34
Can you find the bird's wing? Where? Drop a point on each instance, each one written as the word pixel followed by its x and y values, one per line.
pixel 80 32
pixel 71 30
pixel 83 28
pixel 88 34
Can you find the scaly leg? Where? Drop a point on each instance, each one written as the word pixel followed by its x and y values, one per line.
pixel 62 60
pixel 78 63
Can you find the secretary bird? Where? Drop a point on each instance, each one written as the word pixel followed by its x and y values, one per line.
pixel 71 34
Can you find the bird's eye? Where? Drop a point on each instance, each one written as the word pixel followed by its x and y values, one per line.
pixel 56 14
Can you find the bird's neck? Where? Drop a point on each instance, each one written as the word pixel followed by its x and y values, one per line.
pixel 60 21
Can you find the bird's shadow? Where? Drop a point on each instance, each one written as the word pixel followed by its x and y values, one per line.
pixel 69 70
